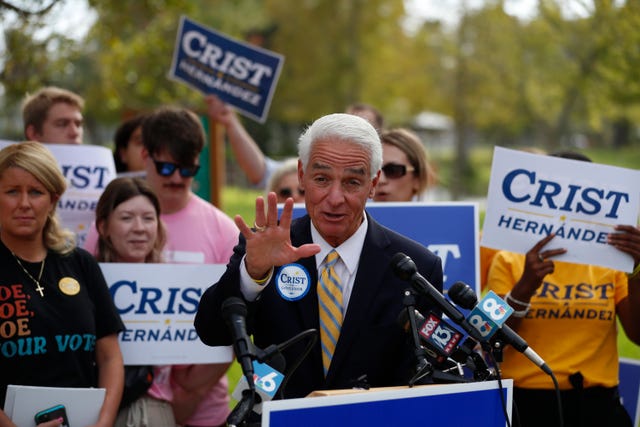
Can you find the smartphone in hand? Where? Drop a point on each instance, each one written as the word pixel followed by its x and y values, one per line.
pixel 52 413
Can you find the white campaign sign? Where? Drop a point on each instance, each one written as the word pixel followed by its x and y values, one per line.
pixel 532 195
pixel 88 169
pixel 158 303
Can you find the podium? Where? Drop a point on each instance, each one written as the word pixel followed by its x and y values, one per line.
pixel 478 404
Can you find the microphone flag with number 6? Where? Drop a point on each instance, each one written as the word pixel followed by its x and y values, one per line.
pixel 267 381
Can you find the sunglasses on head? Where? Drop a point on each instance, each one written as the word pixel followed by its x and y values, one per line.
pixel 288 192
pixel 394 170
pixel 168 168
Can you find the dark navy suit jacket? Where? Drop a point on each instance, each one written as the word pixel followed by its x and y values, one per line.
pixel 371 343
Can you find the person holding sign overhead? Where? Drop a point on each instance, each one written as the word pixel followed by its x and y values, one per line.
pixel 254 163
pixel 286 269
pixel 62 326
pixel 568 313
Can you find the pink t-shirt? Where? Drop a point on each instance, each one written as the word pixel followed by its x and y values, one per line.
pixel 199 233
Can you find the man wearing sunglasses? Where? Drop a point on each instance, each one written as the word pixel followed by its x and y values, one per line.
pixel 197 232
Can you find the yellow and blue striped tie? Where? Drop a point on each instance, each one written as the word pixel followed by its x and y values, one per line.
pixel 330 304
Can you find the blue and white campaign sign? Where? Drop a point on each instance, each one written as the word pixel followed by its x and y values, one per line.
pixel 88 169
pixel 485 403
pixel 532 195
pixel 240 74
pixel 158 303
pixel 449 229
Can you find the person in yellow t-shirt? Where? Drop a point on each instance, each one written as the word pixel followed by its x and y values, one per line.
pixel 567 313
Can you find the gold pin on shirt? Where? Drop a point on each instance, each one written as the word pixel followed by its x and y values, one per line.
pixel 69 286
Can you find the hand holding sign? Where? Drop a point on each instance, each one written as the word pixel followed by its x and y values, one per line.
pixel 241 74
pixel 627 239
pixel 538 263
pixel 531 196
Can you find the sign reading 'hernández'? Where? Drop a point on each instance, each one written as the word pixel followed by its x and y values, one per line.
pixel 239 73
pixel 532 195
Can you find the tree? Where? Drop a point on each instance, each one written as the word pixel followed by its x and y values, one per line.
pixel 29 8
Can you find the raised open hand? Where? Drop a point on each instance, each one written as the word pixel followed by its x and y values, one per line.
pixel 269 242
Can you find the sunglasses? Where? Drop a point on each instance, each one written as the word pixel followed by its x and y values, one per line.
pixel 395 171
pixel 288 192
pixel 168 168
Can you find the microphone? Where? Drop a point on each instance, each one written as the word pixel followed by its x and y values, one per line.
pixel 489 316
pixel 234 312
pixel 442 339
pixel 266 382
pixel 439 337
pixel 404 267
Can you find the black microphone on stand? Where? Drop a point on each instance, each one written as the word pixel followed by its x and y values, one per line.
pixel 234 312
pixel 423 367
pixel 443 342
pixel 404 267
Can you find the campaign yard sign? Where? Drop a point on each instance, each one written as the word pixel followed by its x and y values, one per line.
pixel 532 195
pixel 240 74
pixel 158 303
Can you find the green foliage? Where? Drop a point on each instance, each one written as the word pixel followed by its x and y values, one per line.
pixel 481 156
pixel 504 81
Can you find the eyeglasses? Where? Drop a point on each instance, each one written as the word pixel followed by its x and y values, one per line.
pixel 395 171
pixel 168 168
pixel 288 192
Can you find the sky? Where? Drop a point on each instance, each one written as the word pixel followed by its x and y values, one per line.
pixel 74 17
pixel 449 10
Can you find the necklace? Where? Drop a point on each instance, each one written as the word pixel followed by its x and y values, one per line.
pixel 39 288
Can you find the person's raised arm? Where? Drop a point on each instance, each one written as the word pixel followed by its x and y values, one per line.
pixel 537 264
pixel 260 249
pixel 249 156
pixel 627 239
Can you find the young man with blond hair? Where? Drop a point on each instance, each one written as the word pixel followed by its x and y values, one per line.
pixel 53 115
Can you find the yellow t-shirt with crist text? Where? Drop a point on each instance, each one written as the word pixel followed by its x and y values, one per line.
pixel 571 323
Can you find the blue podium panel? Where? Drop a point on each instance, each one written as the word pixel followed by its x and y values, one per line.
pixel 630 387
pixel 478 404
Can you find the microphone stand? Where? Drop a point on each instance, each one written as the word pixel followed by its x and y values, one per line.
pixel 238 416
pixel 423 367
pixel 242 413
